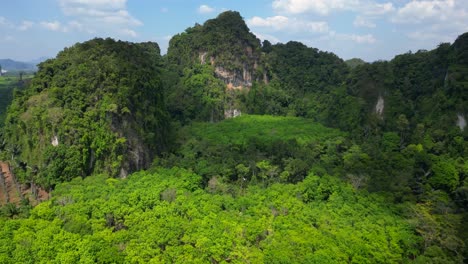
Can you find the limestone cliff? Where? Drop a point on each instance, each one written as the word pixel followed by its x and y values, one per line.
pixel 227 44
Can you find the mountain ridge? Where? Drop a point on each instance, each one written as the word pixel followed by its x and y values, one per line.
pixel 316 136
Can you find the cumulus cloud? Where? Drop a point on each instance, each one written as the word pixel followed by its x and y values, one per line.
pixel 363 22
pixel 268 37
pixel 205 9
pixel 25 25
pixel 440 20
pixel 360 39
pixel 110 16
pixel 377 9
pixel 278 23
pixel 95 4
pixel 325 7
pixel 128 32
pixel 53 26
pixel 421 11
pixel 428 36
pixel 322 7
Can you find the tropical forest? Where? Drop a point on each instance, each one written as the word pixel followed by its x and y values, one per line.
pixel 228 149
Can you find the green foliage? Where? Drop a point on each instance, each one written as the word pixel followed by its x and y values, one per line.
pixel 226 38
pixel 263 148
pixel 85 110
pixel 99 220
pixel 301 69
pixel 198 97
pixel 255 188
pixel 445 175
pixel 354 62
pixel 8 83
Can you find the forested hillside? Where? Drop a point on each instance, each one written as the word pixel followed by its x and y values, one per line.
pixel 241 151
pixel 97 107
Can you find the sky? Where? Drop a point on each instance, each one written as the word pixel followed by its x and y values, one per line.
pixel 368 29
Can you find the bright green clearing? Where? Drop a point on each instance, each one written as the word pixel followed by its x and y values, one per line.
pixel 266 128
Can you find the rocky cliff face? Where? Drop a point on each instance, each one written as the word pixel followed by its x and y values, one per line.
pixel 239 77
pixel 461 121
pixel 227 44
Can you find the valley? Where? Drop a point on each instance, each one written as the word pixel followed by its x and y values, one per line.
pixel 229 149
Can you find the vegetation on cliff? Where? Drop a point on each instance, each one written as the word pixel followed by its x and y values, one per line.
pixel 334 162
pixel 97 107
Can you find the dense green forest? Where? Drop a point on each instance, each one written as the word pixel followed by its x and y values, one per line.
pixel 331 161
pixel 8 83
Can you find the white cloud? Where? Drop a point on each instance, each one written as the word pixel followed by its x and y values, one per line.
pixel 376 9
pixel 270 38
pixel 53 26
pixel 113 17
pixel 278 23
pixel 360 39
pixel 128 32
pixel 25 25
pixel 5 23
pixel 363 22
pixel 324 7
pixel 96 4
pixel 77 26
pixel 164 10
pixel 205 9
pixel 433 20
pixel 107 16
pixel 421 11
pixel 428 36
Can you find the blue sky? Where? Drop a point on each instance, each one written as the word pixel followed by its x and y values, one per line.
pixel 368 29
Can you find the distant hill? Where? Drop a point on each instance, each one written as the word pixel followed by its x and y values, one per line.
pixel 38 60
pixel 354 62
pixel 11 65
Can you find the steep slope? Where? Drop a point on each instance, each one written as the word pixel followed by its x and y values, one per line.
pixel 95 108
pixel 226 43
pixel 209 65
pixel 427 87
pixel 268 79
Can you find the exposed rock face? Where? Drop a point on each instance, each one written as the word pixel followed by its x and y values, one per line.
pixel 379 107
pixel 235 78
pixel 54 141
pixel 446 78
pixel 461 122
pixel 202 56
pixel 231 113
